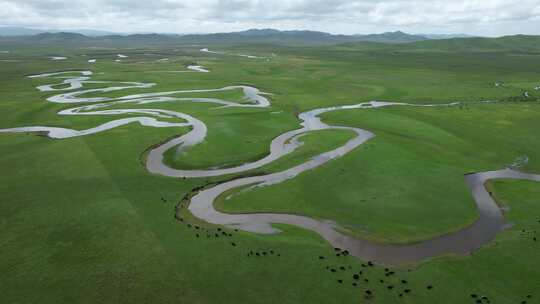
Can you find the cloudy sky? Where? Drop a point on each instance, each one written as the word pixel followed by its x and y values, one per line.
pixel 479 17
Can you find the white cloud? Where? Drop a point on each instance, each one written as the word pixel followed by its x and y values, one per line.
pixel 491 17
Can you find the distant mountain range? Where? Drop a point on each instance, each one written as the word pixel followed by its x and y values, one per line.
pixel 24 31
pixel 275 36
pixel 249 36
pixel 270 36
pixel 446 36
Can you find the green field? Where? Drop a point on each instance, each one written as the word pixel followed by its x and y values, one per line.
pixel 82 221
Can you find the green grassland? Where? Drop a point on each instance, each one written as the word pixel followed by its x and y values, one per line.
pixel 82 221
pixel 406 184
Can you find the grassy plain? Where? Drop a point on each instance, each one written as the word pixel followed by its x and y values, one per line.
pixel 82 221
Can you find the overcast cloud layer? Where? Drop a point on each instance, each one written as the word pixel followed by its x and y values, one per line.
pixel 480 17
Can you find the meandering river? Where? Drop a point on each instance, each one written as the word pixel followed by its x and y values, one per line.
pixel 70 89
